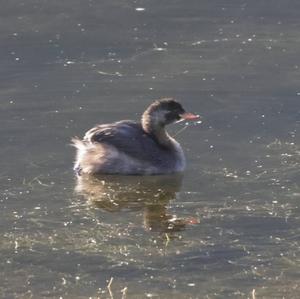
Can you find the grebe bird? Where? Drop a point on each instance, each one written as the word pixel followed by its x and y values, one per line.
pixel 134 148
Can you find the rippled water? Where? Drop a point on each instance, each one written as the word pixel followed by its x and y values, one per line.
pixel 229 228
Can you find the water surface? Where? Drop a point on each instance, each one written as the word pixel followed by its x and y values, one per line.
pixel 229 228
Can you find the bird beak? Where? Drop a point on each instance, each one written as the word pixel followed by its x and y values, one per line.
pixel 189 116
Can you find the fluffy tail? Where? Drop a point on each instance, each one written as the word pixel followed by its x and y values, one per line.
pixel 78 143
pixel 81 149
pixel 89 156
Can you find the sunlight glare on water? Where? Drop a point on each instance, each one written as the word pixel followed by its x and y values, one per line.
pixel 227 228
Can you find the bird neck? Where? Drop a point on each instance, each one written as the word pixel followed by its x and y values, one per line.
pixel 152 126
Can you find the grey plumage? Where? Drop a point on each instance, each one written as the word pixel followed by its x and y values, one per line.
pixel 129 138
pixel 129 147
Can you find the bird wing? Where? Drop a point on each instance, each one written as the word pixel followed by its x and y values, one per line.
pixel 129 138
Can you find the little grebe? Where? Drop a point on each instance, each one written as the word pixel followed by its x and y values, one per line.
pixel 134 148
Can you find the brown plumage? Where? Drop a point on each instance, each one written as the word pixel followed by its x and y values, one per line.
pixel 129 147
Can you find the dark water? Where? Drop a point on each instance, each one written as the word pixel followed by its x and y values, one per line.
pixel 230 228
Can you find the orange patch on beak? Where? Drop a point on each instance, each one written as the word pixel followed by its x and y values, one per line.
pixel 189 116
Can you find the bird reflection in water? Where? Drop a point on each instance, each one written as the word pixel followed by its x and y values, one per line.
pixel 151 194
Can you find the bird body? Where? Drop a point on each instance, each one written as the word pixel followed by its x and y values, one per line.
pixel 136 148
